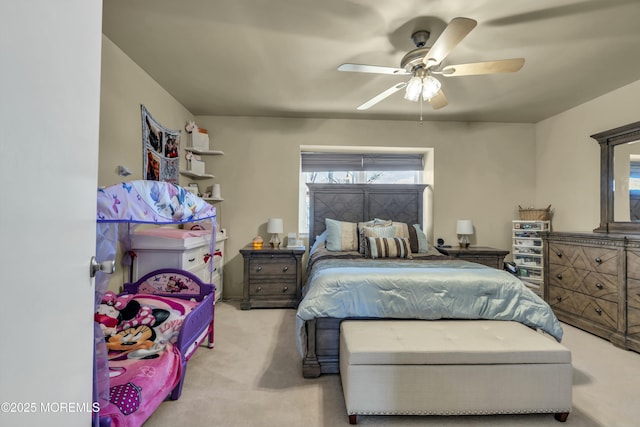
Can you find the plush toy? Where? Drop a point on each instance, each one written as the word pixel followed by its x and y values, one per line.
pixel 108 312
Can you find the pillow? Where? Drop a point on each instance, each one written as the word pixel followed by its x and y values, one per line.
pixel 320 241
pixel 388 231
pixel 341 235
pixel 389 247
pixel 423 243
pixel 362 243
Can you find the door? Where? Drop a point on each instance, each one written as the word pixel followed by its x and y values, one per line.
pixel 49 115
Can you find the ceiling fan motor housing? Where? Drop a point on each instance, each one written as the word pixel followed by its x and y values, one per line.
pixel 413 60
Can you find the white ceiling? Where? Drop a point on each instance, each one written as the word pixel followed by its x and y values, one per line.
pixel 279 57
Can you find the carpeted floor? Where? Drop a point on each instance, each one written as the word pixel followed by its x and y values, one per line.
pixel 253 377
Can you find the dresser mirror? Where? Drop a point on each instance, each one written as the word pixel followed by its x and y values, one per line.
pixel 619 179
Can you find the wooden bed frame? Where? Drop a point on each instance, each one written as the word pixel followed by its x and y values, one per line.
pixel 352 203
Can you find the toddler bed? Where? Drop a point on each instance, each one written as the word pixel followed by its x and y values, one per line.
pixel 145 335
pixel 151 331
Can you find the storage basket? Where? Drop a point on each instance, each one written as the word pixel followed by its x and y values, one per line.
pixel 533 214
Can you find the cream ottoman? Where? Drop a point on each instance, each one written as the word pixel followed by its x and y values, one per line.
pixel 452 367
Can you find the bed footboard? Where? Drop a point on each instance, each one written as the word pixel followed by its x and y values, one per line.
pixel 198 325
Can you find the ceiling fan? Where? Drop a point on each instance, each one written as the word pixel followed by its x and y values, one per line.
pixel 424 62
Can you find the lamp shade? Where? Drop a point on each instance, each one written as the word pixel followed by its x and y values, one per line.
pixel 464 226
pixel 275 225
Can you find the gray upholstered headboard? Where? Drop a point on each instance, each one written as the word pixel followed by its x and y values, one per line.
pixel 363 202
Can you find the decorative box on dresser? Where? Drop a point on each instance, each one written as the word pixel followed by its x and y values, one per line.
pixel 586 281
pixel 272 277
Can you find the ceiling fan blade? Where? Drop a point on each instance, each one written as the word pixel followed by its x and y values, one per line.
pixel 373 101
pixel 453 34
pixel 375 69
pixel 488 67
pixel 439 100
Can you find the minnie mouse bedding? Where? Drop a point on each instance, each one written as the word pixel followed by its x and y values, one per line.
pixel 147 352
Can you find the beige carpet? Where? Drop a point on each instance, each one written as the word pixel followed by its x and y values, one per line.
pixel 253 378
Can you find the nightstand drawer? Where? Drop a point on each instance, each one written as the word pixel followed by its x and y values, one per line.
pixel 269 267
pixel 280 288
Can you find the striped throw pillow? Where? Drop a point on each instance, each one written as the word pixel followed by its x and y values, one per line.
pixel 389 247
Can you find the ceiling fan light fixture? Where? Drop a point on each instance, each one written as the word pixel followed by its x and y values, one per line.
pixel 427 86
pixel 414 89
pixel 430 87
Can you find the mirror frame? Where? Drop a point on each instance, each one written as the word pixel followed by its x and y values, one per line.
pixel 608 140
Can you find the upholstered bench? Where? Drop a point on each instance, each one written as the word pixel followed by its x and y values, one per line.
pixel 452 367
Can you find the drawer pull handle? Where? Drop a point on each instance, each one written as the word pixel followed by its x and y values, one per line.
pixel 599 311
pixel 559 276
pixel 191 259
pixel 285 268
pixel 285 288
pixel 598 260
pixel 599 285
pixel 259 268
pixel 258 289
pixel 559 254
pixel 559 298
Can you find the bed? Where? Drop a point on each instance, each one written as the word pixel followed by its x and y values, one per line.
pixel 145 335
pixel 344 284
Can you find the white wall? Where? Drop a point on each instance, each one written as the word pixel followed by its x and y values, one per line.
pixel 568 160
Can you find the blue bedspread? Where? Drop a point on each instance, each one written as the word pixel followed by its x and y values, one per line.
pixel 418 289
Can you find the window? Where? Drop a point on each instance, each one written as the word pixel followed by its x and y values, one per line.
pixel 355 168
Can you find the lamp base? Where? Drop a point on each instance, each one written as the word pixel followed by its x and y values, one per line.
pixel 275 242
pixel 464 245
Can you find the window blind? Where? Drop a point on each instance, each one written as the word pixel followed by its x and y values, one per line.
pixel 338 162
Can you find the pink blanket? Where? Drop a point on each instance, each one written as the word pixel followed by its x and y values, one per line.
pixel 139 386
pixel 144 365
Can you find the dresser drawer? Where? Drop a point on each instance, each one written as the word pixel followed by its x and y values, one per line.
pixel 633 264
pixel 260 267
pixel 602 312
pixel 193 259
pixel 602 260
pixel 587 282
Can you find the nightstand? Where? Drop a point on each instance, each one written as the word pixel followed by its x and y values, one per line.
pixel 491 257
pixel 272 277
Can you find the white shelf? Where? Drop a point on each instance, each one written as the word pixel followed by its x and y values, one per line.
pixel 197 175
pixel 212 199
pixel 204 152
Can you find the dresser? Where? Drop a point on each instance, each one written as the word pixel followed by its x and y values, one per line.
pixel 588 277
pixel 272 277
pixel 491 257
pixel 191 254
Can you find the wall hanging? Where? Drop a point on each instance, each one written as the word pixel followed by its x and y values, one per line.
pixel 160 150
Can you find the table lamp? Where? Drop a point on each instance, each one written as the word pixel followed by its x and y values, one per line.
pixel 275 227
pixel 464 229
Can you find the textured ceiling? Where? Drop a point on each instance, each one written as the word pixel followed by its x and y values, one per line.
pixel 279 57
